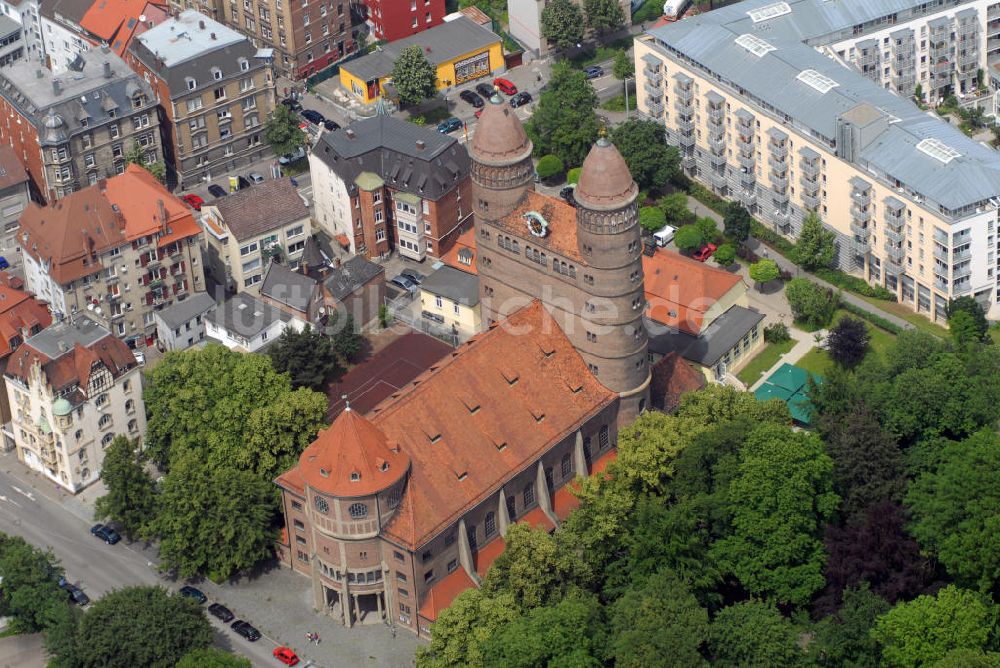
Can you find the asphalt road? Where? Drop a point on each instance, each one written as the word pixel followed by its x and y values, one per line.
pixel 95 567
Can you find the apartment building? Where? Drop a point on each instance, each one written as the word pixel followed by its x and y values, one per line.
pixel 72 129
pixel 306 36
pixel 63 38
pixel 72 388
pixel 216 90
pixel 383 183
pixel 390 20
pixel 118 22
pixel 11 41
pixel 249 229
pixel 764 118
pixel 14 197
pixel 120 250
pixel 449 300
pixel 21 317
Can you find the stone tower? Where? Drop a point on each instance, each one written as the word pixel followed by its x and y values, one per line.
pixel 502 171
pixel 607 230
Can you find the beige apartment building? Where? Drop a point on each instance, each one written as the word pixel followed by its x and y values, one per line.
pixel 251 228
pixel 72 388
pixel 216 90
pixel 120 250
pixel 771 122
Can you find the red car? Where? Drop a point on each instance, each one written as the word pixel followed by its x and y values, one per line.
pixel 286 656
pixel 479 112
pixel 506 86
pixel 193 201
pixel 704 252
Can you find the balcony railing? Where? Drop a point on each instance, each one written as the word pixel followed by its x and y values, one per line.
pixel 893 235
pixel 860 231
pixel 810 169
pixel 748 161
pixel 861 215
pixel 748 178
pixel 778 182
pixel 717 158
pixel 810 201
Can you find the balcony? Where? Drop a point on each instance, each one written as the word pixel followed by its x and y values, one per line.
pixel 652 89
pixel 748 178
pixel 748 198
pixel 748 161
pixel 861 199
pixel 810 169
pixel 653 76
pixel 683 108
pixel 716 115
pixel 861 246
pixel 717 179
pixel 685 124
pixel 655 108
pixel 942 253
pixel 780 199
pixel 683 95
pixel 717 159
pixel 941 67
pixel 779 183
pixel 894 221
pixel 940 283
pixel 894 236
pixel 745 123
pixel 860 215
pixel 687 162
pixel 686 140
pixel 778 150
pixel 777 165
pixel 809 201
pixel 894 251
pixel 860 231
pixel 717 144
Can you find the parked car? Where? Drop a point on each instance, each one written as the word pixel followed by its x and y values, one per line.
pixel 193 201
pixel 485 90
pixel 140 357
pixel 414 276
pixel 313 116
pixel 331 125
pixel 664 236
pixel 521 99
pixel 289 158
pixel 472 98
pixel 246 630
pixel 194 593
pixel 286 656
pixel 105 533
pixel 567 195
pixel 221 612
pixel 75 594
pixel 594 71
pixel 4 264
pixel 255 177
pixel 217 191
pixel 403 282
pixel 449 125
pixel 704 252
pixel 505 85
pixel 294 105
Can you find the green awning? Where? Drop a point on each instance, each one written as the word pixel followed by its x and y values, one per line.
pixel 769 391
pixel 369 181
pixel 789 377
pixel 408 198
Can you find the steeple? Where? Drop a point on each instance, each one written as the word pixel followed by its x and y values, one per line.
pixel 502 171
pixel 605 182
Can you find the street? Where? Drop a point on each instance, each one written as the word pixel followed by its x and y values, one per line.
pixel 277 602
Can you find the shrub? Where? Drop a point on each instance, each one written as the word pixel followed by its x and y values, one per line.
pixel 689 238
pixel 651 218
pixel 675 208
pixel 573 175
pixel 876 320
pixel 772 239
pixel 725 255
pixel 811 303
pixel 764 271
pixel 854 284
pixel 549 166
pixel 777 333
pixel 709 230
pixel 708 198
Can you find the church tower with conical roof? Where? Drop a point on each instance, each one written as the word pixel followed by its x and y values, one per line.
pixel 584 264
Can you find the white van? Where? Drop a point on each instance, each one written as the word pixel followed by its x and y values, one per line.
pixel 664 236
pixel 674 8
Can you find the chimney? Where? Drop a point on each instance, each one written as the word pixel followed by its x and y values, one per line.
pixel 39 74
pixel 163 213
pixel 213 35
pixel 56 87
pixel 350 133
pixel 105 49
pixel 102 185
pixel 421 145
pixel 201 25
pixel 107 70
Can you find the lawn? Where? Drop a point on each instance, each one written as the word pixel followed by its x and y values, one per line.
pixel 764 360
pixel 617 103
pixel 818 361
pixel 906 313
pixel 650 11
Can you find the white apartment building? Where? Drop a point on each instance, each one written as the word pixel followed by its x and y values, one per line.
pixel 763 116
pixel 72 388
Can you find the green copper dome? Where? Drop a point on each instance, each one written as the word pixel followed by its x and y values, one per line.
pixel 61 407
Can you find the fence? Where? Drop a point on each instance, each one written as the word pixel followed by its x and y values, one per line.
pixel 403 309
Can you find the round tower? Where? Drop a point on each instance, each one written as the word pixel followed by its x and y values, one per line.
pixel 607 221
pixel 502 171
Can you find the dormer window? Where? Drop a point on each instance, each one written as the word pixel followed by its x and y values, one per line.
pixel 217 74
pixel 384 466
pixel 244 64
pixel 355 476
pixel 191 83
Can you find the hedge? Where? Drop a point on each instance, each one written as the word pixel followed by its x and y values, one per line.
pixel 772 239
pixel 854 284
pixel 708 198
pixel 876 320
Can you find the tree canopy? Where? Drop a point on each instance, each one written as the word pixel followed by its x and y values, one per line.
pixel 562 24
pixel 764 271
pixel 675 208
pixel 847 342
pixel 603 15
pixel 753 633
pixel 282 131
pixel 564 123
pixel 651 218
pixel 689 238
pixel 737 222
pixel 975 319
pixel 816 247
pixel 212 657
pixel 308 357
pixel 131 493
pixel 622 66
pixel 413 76
pixel 811 303
pixel 643 144
pixel 29 591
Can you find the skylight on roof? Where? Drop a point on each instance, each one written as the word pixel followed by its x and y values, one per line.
pixel 818 81
pixel 754 44
pixel 938 150
pixel 769 12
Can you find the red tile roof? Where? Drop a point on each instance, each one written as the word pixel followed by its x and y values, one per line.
pixel 73 367
pixel 561 217
pixel 488 554
pixel 444 592
pixel 116 22
pixel 464 244
pixel 537 519
pixel 19 313
pixel 680 290
pixel 11 170
pixel 138 194
pixel 672 377
pixel 352 458
pixel 564 501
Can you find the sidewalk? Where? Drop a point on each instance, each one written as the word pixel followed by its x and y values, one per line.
pixel 785 264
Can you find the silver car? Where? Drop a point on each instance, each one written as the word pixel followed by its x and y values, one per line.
pixel 255 177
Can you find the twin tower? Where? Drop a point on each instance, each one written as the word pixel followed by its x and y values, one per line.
pixel 584 265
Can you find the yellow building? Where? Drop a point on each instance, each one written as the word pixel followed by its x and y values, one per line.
pixel 449 299
pixel 461 49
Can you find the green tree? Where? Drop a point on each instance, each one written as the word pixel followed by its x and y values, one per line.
pixel 564 123
pixel 131 493
pixel 282 131
pixel 650 159
pixel 675 208
pixel 414 78
pixel 847 342
pixel 566 633
pixel 725 255
pixel 573 175
pixel 277 434
pixel 816 246
pixel 652 219
pixel 215 521
pixel 562 24
pixel 753 633
pixel 709 230
pixel 764 271
pixel 137 156
pixel 307 357
pixel 465 628
pixel 811 303
pixel 658 622
pixel 924 630
pixel 140 626
pixel 968 658
pixel 63 625
pixel 844 639
pixel 964 331
pixel 955 510
pixel 603 15
pixel 689 238
pixel 781 499
pixel 348 340
pixel 622 67
pixel 532 568
pixel 212 657
pixel 29 592
pixel 549 166
pixel 737 222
